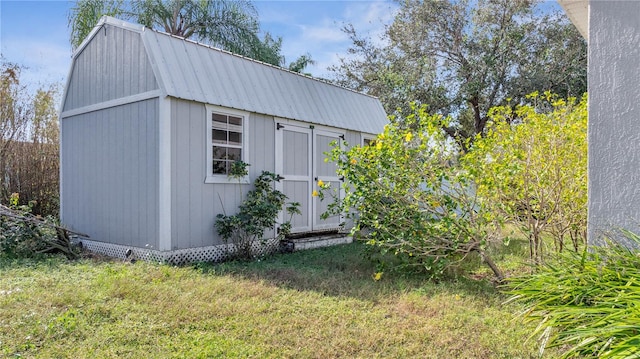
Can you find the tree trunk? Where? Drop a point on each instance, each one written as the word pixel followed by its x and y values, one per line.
pixel 496 271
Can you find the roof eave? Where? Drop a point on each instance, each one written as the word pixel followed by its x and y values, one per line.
pixel 578 13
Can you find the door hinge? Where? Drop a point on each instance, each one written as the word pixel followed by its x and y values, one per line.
pixel 279 126
pixel 342 137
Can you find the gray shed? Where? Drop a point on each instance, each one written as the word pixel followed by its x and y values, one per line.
pixel 150 122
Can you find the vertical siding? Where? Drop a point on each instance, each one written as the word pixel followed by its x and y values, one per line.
pixel 195 203
pixel 109 169
pixel 113 65
pixel 352 138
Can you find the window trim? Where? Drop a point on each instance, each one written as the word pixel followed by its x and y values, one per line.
pixel 210 177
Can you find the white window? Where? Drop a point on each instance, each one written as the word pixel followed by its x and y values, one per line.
pixel 226 141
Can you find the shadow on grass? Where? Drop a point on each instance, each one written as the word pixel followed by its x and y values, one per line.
pixel 342 271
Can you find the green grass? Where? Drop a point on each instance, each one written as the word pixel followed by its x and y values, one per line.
pixel 316 304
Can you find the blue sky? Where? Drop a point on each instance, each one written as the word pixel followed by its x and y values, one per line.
pixel 35 33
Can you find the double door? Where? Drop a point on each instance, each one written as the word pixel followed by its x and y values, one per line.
pixel 300 161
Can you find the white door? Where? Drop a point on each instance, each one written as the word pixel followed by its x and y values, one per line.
pixel 300 163
pixel 326 172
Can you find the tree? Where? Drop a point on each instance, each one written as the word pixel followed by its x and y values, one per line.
pixel 228 24
pixel 463 57
pixel 14 110
pixel 531 169
pixel 408 193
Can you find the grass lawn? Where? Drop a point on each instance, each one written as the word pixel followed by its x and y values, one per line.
pixel 321 303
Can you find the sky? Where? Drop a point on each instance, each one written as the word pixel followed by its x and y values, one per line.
pixel 35 34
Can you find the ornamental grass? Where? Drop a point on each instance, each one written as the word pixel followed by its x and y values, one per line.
pixel 587 304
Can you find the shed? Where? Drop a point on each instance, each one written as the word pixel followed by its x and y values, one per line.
pixel 612 29
pixel 150 123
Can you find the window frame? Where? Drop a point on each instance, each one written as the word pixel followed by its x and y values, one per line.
pixel 210 110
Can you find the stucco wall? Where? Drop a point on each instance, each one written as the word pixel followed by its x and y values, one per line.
pixel 614 117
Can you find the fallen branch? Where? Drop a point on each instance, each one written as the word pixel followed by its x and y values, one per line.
pixel 61 243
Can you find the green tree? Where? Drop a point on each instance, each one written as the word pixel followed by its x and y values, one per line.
pixel 530 169
pixel 463 57
pixel 408 193
pixel 230 25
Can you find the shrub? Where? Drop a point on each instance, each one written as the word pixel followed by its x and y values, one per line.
pixel 586 302
pixel 258 211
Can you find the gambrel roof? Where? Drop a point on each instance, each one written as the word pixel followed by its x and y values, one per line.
pixel 189 70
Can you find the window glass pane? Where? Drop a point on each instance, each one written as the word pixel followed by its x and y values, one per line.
pixel 235 121
pixel 235 138
pixel 219 118
pixel 219 136
pixel 220 167
pixel 234 154
pixel 219 153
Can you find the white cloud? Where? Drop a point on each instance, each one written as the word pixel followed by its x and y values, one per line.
pixel 323 34
pixel 317 29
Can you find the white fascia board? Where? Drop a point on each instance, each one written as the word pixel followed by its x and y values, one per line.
pixel 106 20
pixel 151 49
pixel 111 103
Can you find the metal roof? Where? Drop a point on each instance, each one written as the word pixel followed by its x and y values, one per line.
pixel 578 12
pixel 192 71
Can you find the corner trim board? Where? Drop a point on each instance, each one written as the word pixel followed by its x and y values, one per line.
pixel 164 179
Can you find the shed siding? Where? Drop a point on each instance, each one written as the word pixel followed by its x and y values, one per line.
pixel 108 68
pixel 614 117
pixel 109 172
pixel 195 203
pixel 353 138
